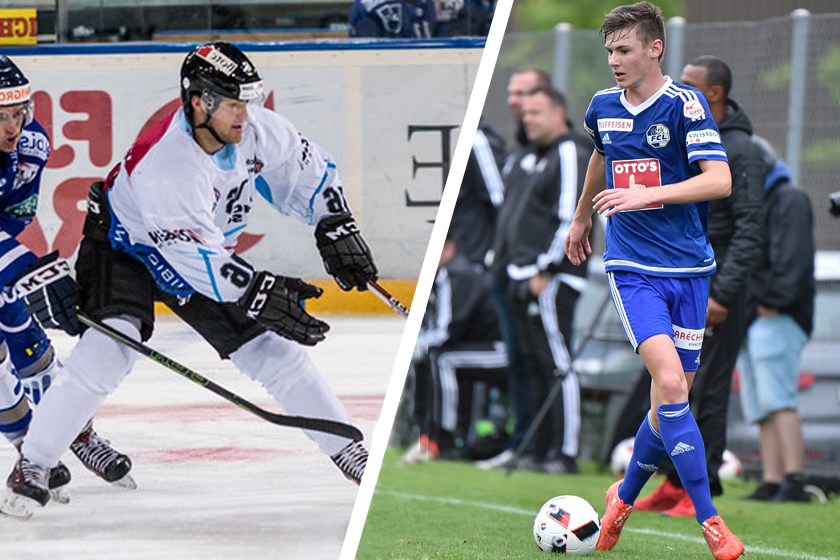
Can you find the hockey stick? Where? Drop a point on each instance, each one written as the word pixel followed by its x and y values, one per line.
pixel 389 300
pixel 555 390
pixel 315 424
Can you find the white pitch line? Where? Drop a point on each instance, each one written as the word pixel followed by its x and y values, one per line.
pixel 529 513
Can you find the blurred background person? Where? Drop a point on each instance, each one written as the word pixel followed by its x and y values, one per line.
pixel 781 309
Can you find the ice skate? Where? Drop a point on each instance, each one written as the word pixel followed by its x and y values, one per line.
pixel 28 491
pixel 58 480
pixel 351 461
pixel 97 455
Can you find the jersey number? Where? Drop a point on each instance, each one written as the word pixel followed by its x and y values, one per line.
pixel 336 203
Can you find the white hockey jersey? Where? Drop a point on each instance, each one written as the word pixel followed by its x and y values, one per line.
pixel 180 211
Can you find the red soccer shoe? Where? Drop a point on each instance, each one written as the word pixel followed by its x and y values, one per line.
pixel 613 520
pixel 683 508
pixel 723 544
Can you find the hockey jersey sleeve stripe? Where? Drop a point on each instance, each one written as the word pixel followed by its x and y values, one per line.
pixel 15 257
pixel 566 205
pixel 489 169
pixel 209 268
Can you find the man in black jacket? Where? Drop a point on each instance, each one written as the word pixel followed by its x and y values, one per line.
pixel 780 318
pixel 736 231
pixel 543 285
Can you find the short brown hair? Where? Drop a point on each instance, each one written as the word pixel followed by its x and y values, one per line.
pixel 644 17
pixel 557 97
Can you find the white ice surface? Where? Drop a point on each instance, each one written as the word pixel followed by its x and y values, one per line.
pixel 215 482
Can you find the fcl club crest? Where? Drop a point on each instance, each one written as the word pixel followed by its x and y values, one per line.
pixel 658 135
pixel 637 174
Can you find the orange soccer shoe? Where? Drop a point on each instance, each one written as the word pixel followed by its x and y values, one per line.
pixel 683 508
pixel 664 497
pixel 613 520
pixel 723 544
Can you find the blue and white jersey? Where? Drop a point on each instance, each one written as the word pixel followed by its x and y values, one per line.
pixel 20 185
pixel 658 143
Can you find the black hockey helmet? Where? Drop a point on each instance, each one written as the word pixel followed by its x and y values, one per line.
pixel 218 69
pixel 14 87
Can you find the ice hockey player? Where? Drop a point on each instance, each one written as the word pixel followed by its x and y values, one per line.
pixel 163 227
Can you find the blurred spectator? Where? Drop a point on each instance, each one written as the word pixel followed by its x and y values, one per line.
pixel 458 343
pixel 407 19
pixel 781 308
pixel 464 17
pixel 542 285
pixel 520 83
pixel 736 231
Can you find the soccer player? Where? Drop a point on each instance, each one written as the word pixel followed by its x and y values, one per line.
pixel 27 357
pixel 163 227
pixel 657 159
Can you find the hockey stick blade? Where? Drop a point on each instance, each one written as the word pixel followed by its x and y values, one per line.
pixel 315 424
pixel 389 300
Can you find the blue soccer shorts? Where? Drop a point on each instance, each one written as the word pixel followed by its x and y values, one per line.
pixel 650 305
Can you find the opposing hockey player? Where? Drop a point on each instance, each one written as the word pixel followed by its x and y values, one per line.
pixel 163 227
pixel 27 357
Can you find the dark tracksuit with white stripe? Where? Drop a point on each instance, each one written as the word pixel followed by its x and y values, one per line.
pixel 534 243
pixel 480 196
pixel 461 334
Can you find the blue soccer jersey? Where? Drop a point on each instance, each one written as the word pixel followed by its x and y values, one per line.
pixel 658 143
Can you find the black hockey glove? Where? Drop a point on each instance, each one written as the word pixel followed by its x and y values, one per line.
pixel 346 255
pixel 275 301
pixel 50 292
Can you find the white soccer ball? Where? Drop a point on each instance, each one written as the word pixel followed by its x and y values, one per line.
pixel 620 457
pixel 731 469
pixel 567 525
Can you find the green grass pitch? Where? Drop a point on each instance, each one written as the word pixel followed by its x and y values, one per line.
pixel 452 511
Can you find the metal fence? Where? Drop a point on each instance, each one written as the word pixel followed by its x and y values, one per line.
pixel 789 88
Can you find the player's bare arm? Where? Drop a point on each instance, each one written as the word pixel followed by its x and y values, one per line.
pixel 714 181
pixel 577 240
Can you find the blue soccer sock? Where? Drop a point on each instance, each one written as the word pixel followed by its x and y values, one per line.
pixel 685 445
pixel 648 452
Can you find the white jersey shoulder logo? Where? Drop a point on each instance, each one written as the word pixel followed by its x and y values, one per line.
pixel 693 109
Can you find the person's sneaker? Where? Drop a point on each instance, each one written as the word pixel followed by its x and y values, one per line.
pixel 683 508
pixel 666 496
pixel 97 455
pixel 791 492
pixel 421 451
pixel 764 493
pixel 351 461
pixel 29 489
pixel 500 461
pixel 613 521
pixel 723 544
